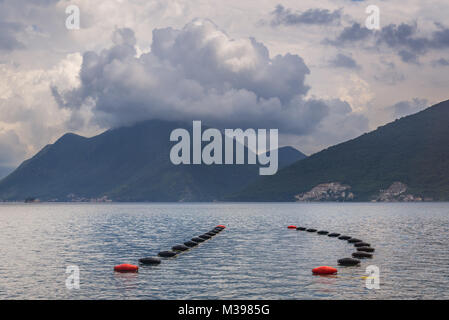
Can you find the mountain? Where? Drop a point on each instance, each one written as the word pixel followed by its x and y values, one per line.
pixel 4 171
pixel 125 164
pixel 289 155
pixel 406 160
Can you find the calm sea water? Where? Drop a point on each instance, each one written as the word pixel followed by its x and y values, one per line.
pixel 256 257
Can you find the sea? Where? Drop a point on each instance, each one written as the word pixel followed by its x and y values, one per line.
pixel 69 250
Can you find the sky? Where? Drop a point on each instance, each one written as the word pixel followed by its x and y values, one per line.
pixel 311 69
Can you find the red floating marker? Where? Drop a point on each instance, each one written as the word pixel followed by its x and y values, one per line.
pixel 126 268
pixel 291 227
pixel 221 226
pixel 324 270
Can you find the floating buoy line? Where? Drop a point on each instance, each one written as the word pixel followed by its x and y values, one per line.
pixel 364 250
pixel 175 250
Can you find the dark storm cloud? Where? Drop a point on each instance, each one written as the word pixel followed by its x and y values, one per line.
pixel 283 16
pixel 197 72
pixel 441 38
pixel 351 34
pixel 344 61
pixel 408 56
pixel 402 38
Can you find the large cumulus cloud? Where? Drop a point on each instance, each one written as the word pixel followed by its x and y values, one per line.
pixel 197 72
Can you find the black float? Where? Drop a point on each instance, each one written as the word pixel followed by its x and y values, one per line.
pixel 180 247
pixel 362 255
pixel 333 235
pixel 150 260
pixel 190 244
pixel 361 244
pixel 348 262
pixel 167 254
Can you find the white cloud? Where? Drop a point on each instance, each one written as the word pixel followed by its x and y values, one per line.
pixel 28 109
pixel 197 72
pixel 49 54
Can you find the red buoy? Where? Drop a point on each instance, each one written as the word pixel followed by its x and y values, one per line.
pixel 221 226
pixel 324 270
pixel 126 268
pixel 291 227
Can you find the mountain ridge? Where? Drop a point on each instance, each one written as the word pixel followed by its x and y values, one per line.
pixel 410 150
pixel 129 163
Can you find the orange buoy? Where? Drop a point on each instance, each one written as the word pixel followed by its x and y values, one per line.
pixel 324 270
pixel 126 268
pixel 291 227
pixel 221 226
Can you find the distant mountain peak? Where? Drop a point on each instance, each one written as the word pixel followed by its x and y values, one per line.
pixel 129 163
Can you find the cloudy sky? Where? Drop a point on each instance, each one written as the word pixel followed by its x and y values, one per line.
pixel 309 68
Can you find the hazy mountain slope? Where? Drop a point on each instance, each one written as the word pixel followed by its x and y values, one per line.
pixel 289 155
pixel 124 164
pixel 4 171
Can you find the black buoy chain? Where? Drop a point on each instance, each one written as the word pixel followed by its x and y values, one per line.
pixel 364 249
pixel 175 250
